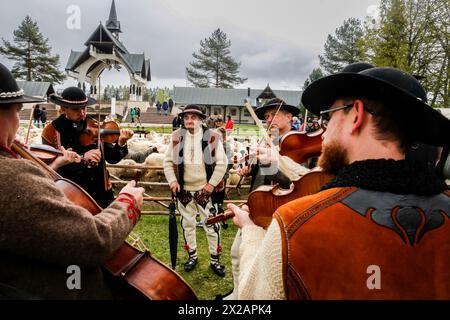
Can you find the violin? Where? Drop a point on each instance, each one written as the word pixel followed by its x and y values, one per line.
pixel 300 146
pixel 107 132
pixel 48 154
pixel 45 152
pixel 265 200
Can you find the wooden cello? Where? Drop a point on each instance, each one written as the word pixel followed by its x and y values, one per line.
pixel 133 274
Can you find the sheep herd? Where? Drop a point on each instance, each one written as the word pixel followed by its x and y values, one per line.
pixel 155 145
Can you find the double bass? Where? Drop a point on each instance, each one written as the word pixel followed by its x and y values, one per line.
pixel 132 274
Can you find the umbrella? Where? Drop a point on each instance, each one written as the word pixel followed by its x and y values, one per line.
pixel 173 233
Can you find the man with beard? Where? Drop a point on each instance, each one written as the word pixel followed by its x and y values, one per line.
pixel 380 229
pixel 65 131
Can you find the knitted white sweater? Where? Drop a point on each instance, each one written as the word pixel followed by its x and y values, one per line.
pixel 261 275
pixel 194 167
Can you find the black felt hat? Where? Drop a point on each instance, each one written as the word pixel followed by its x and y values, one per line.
pixel 9 90
pixel 72 97
pixel 357 67
pixel 276 103
pixel 398 90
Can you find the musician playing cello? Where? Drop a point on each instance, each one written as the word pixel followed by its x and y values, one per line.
pixel 42 233
pixel 65 131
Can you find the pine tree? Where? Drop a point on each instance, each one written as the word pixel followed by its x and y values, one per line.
pixel 343 48
pixel 213 65
pixel 316 74
pixel 32 54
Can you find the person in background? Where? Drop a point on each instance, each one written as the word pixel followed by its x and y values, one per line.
pixel 37 116
pixel 296 124
pixel 132 115
pixel 43 116
pixel 230 124
pixel 138 116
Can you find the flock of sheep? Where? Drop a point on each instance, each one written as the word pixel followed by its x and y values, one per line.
pixel 152 141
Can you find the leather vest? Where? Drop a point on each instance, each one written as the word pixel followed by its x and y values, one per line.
pixel 351 243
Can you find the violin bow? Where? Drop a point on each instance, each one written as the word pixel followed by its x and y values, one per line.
pixel 100 147
pixel 29 125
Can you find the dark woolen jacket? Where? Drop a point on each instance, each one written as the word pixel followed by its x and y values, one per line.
pixel 42 233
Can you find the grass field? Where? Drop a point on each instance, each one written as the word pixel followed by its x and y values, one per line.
pixel 154 232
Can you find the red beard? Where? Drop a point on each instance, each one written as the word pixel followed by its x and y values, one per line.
pixel 333 158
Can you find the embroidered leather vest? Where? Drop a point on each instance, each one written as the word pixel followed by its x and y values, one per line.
pixel 350 243
pixel 210 142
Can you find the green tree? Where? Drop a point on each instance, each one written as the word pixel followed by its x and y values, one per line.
pixel 390 46
pixel 32 54
pixel 414 35
pixel 316 74
pixel 344 47
pixel 213 64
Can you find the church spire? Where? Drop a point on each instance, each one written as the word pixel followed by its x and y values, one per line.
pixel 113 24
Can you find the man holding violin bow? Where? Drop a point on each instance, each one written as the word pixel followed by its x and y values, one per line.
pixel 42 232
pixel 265 166
pixel 72 129
pixel 267 170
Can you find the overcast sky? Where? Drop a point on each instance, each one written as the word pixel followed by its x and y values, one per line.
pixel 277 42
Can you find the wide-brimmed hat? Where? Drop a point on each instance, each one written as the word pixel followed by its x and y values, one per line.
pixel 193 109
pixel 276 103
pixel 72 97
pixel 9 90
pixel 401 92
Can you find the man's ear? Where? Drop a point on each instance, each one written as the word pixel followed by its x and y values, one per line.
pixel 358 117
pixel 289 116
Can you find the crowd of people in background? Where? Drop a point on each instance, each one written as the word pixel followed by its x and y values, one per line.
pixel 165 107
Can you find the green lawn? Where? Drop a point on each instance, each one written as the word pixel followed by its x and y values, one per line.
pixel 153 230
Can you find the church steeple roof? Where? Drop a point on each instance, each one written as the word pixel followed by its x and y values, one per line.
pixel 112 23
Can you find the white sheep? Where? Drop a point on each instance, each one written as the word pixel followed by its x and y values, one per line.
pixel 155 160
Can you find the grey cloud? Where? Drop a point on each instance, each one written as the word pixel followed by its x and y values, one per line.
pixel 276 43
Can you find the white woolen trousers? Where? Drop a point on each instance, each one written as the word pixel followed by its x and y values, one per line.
pixel 188 225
